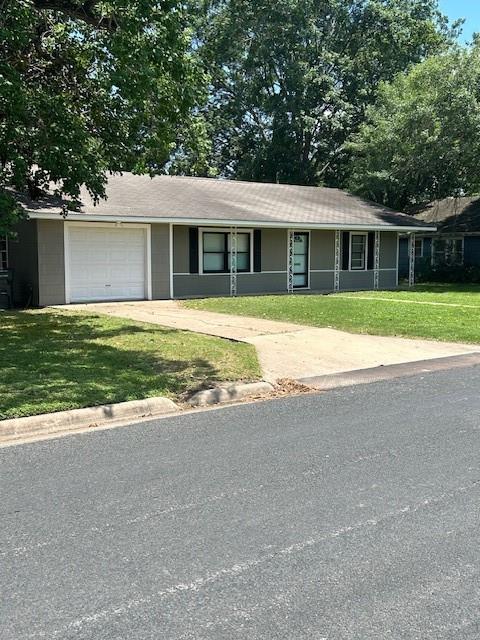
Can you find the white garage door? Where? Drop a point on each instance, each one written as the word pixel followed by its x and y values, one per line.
pixel 106 263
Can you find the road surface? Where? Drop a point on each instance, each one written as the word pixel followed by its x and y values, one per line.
pixel 352 514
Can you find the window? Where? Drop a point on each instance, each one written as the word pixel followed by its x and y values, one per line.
pixel 3 253
pixel 448 251
pixel 358 251
pixel 418 247
pixel 216 252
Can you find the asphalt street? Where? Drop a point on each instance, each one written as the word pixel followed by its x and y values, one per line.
pixel 349 514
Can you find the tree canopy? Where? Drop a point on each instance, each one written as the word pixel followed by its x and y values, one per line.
pixel 421 140
pixel 291 79
pixel 91 87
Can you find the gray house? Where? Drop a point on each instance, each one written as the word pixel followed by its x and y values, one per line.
pixel 177 237
pixel 457 240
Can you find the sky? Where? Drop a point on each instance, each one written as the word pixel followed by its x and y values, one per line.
pixel 468 9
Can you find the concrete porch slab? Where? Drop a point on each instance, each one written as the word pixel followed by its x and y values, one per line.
pixel 287 350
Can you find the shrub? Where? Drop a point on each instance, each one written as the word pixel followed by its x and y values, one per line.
pixel 448 273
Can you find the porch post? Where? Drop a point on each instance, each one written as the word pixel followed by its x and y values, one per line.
pixel 291 247
pixel 233 261
pixel 336 279
pixel 376 261
pixel 411 260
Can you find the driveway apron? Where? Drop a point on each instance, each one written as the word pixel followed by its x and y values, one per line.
pixel 286 350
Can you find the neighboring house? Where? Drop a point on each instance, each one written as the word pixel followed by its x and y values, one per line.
pixel 457 240
pixel 176 237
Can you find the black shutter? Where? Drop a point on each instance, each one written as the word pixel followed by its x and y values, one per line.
pixel 345 250
pixel 371 249
pixel 257 250
pixel 193 239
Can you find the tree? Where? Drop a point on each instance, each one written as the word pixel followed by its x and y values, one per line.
pixel 91 87
pixel 421 141
pixel 291 79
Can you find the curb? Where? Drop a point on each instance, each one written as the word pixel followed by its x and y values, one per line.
pixel 228 394
pixel 66 421
pixel 390 371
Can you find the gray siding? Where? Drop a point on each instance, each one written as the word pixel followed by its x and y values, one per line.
pixel 388 279
pixel 219 284
pixel 181 252
pixel 273 278
pixel 322 249
pixel 274 250
pixel 322 281
pixel 388 250
pixel 356 280
pixel 262 283
pixel 160 261
pixel 192 285
pixel 23 259
pixel 51 262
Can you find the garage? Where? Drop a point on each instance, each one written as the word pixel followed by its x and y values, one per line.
pixel 106 262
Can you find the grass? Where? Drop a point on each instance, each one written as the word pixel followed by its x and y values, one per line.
pixel 456 319
pixel 55 360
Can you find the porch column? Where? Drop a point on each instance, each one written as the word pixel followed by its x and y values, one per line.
pixel 376 261
pixel 233 261
pixel 336 273
pixel 291 252
pixel 411 260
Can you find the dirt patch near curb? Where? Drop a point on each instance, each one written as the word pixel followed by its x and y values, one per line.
pixel 289 387
pixel 283 387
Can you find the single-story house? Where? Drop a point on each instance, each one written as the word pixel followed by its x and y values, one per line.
pixel 180 237
pixel 457 239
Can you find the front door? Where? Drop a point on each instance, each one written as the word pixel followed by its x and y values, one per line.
pixel 300 260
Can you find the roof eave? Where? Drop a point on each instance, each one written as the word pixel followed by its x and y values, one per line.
pixel 89 217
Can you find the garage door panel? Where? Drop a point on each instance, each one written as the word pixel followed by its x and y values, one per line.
pixel 106 263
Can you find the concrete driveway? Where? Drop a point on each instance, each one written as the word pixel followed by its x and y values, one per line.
pixel 286 350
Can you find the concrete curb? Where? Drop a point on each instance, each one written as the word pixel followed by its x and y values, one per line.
pixel 229 394
pixel 66 421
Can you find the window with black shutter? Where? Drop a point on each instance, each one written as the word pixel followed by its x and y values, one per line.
pixel 216 252
pixel 358 251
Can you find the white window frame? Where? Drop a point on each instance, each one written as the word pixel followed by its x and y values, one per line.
pixel 421 240
pixel 358 233
pixel 203 230
pixel 4 252
pixel 124 225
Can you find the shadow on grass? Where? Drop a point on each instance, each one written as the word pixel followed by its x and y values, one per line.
pixel 445 288
pixel 54 361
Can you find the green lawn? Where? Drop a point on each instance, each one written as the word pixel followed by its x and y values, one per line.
pixel 413 313
pixel 52 360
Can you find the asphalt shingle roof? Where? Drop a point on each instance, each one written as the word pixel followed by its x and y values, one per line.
pixel 453 215
pixel 209 199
